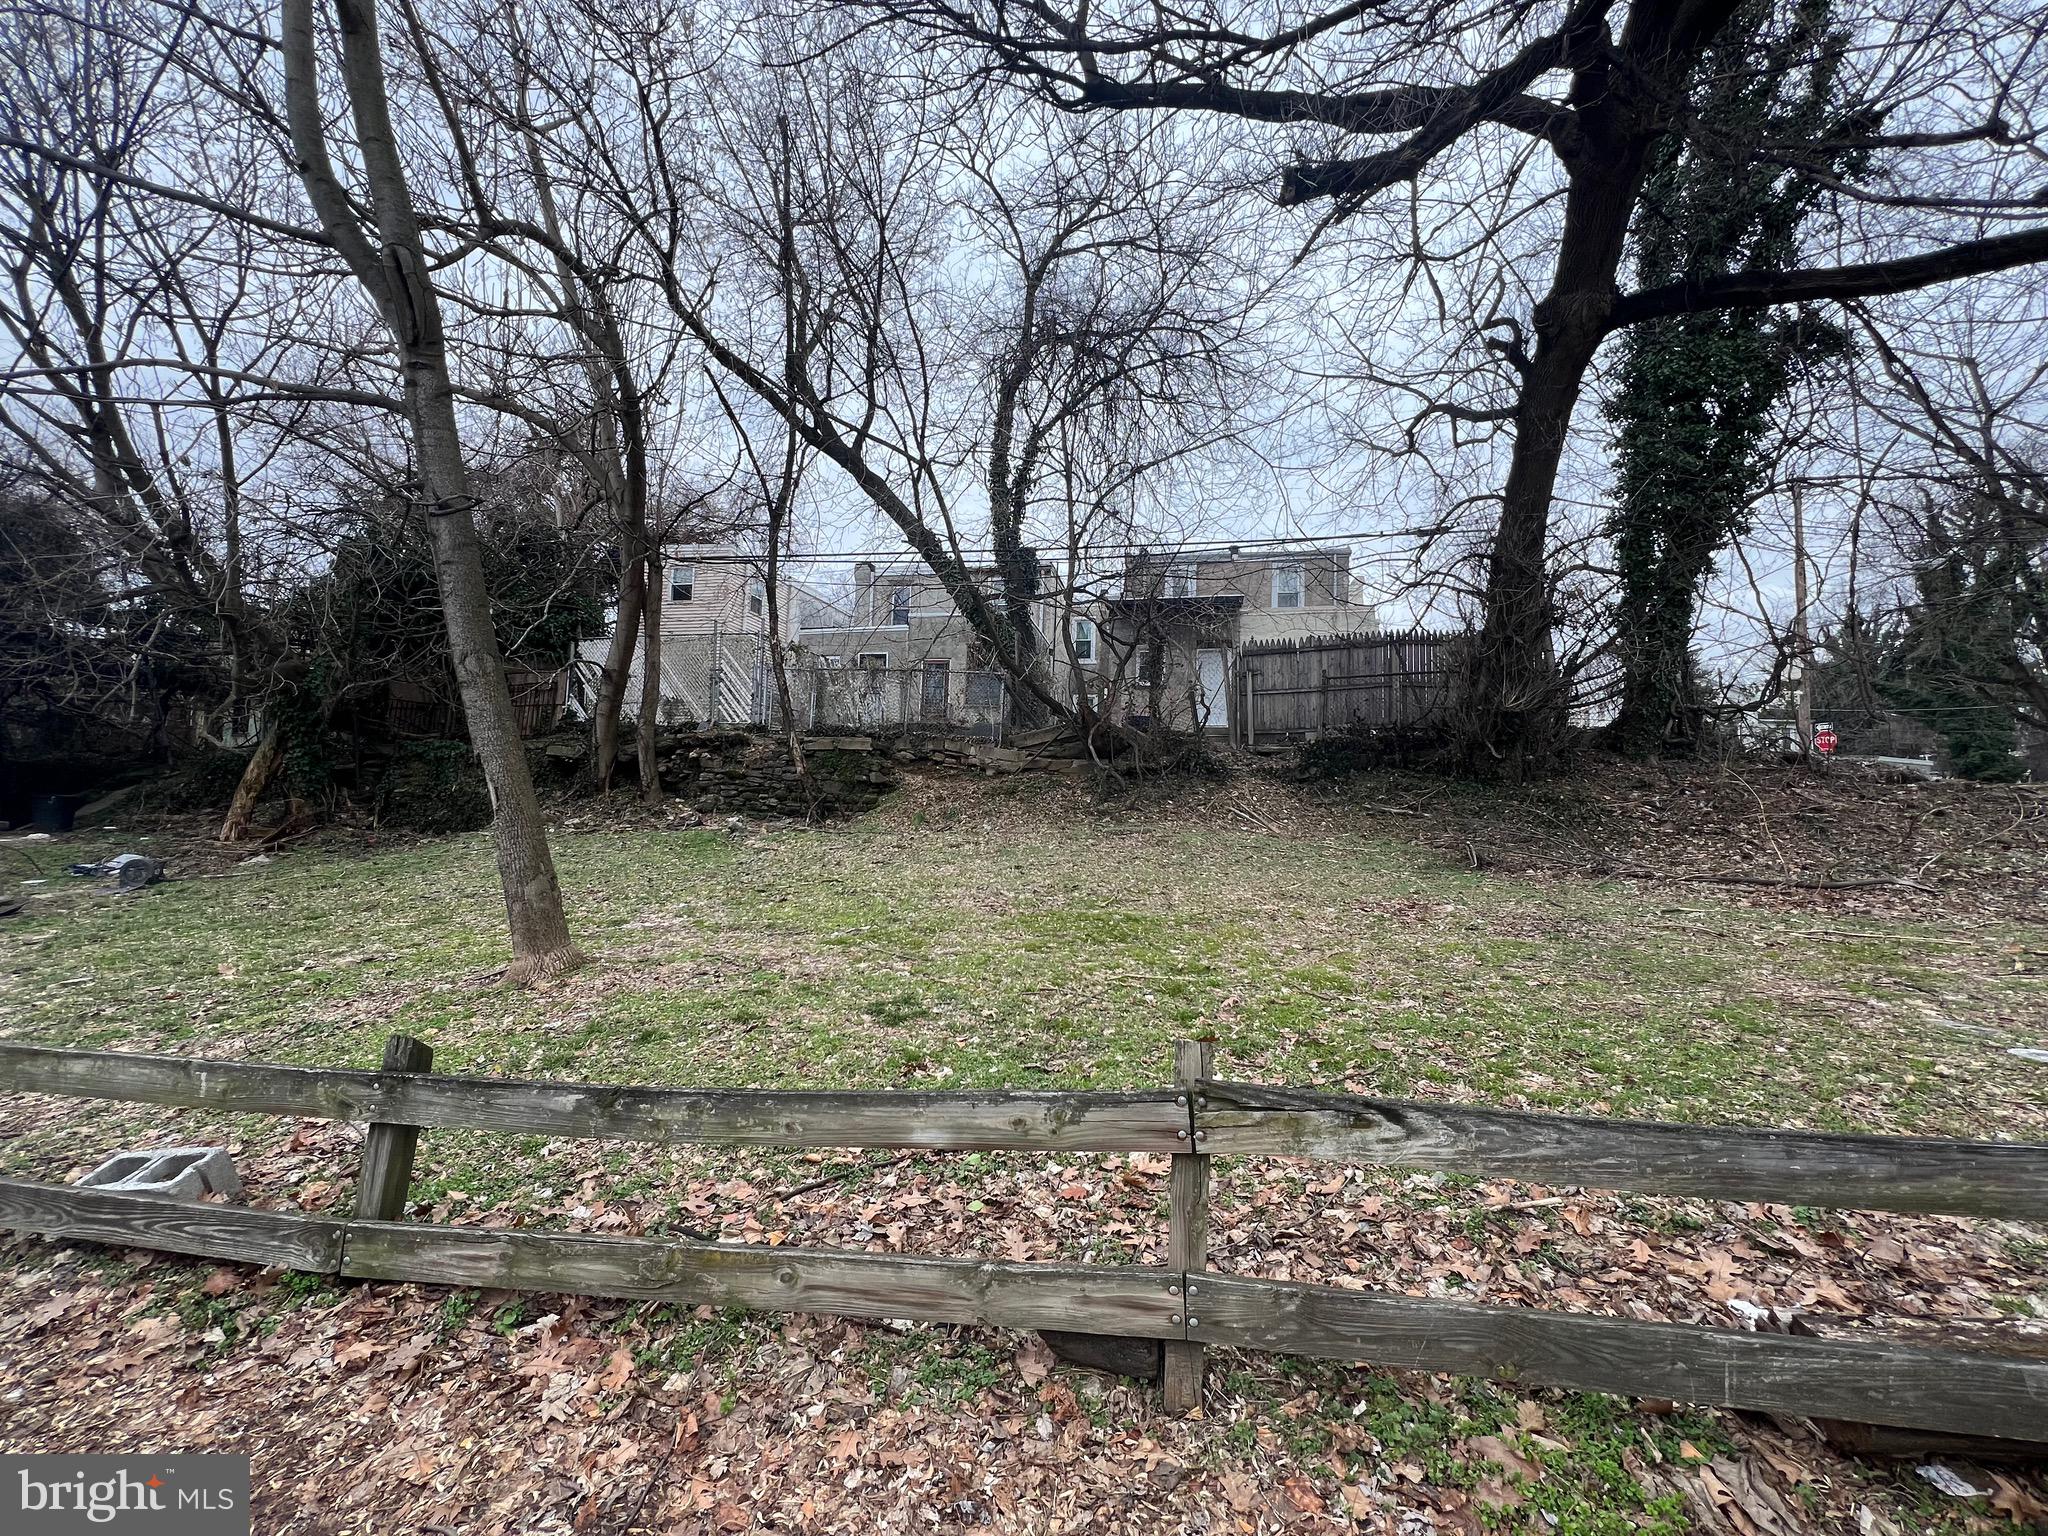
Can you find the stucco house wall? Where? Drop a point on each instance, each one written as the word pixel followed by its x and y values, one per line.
pixel 1195 609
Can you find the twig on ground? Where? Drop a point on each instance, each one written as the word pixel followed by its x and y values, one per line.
pixel 839 1174
pixel 1773 882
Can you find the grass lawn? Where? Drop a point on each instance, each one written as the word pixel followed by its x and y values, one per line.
pixel 984 943
pixel 1002 934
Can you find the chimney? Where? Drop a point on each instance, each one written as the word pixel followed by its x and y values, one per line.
pixel 864 592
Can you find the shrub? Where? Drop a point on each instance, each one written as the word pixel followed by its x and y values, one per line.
pixel 432 786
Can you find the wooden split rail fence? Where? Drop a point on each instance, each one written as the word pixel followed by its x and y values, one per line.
pixel 1184 1305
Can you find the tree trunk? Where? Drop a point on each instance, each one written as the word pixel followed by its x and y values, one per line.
pixel 1516 703
pixel 650 676
pixel 394 270
pixel 617 670
pixel 1658 710
pixel 778 508
pixel 1017 573
pixel 618 462
pixel 526 868
pixel 1016 566
pixel 256 776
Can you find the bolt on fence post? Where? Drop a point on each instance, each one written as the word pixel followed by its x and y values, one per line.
pixel 386 1171
pixel 1188 1235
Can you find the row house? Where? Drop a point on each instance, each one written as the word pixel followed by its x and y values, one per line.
pixel 1164 647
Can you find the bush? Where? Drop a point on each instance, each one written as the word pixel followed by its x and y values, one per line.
pixel 203 779
pixel 1360 750
pixel 432 786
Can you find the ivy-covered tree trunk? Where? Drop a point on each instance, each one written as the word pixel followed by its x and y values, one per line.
pixel 1693 402
pixel 1664 560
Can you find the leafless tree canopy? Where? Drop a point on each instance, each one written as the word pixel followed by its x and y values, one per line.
pixel 1017 287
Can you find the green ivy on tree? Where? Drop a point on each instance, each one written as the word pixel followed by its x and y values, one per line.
pixel 1695 394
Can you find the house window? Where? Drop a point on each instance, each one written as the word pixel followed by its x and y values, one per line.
pixel 874 661
pixel 682 583
pixel 1179 581
pixel 1083 632
pixel 1142 666
pixel 899 605
pixel 1287 587
pixel 757 598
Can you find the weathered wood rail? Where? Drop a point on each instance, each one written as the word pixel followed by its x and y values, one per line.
pixel 1870 1173
pixel 1183 1305
pixel 959 1121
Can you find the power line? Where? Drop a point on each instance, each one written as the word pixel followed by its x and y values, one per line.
pixel 1166 548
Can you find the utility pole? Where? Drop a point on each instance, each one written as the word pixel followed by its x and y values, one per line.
pixel 1802 654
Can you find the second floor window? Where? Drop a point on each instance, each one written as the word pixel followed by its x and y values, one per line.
pixel 1287 587
pixel 1178 581
pixel 899 605
pixel 682 583
pixel 757 598
pixel 1084 640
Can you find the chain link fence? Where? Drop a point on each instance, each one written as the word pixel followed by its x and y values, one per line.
pixel 729 680
pixel 932 699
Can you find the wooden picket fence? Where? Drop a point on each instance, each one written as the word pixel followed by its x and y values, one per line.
pixel 1305 689
pixel 1184 1305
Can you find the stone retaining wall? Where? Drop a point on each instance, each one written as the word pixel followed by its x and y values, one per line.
pixel 734 773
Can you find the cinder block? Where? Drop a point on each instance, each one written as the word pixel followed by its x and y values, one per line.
pixel 183 1173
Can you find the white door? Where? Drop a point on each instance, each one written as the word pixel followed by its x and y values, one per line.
pixel 1211 672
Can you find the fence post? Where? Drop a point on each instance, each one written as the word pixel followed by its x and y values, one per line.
pixel 386 1171
pixel 1188 1234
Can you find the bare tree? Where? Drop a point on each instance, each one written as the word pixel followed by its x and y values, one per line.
pixel 388 257
pixel 1125 338
pixel 1438 90
pixel 806 223
pixel 486 69
pixel 147 348
pixel 778 481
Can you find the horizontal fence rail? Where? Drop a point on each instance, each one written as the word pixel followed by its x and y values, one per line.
pixel 272 1238
pixel 1872 1382
pixel 1106 1299
pixel 1876 1383
pixel 1871 1173
pixel 1184 1304
pixel 960 1121
pixel 1083 1298
pixel 1878 1173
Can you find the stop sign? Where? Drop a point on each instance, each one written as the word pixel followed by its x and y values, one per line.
pixel 1824 740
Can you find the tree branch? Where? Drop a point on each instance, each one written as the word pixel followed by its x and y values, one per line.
pixel 1757 290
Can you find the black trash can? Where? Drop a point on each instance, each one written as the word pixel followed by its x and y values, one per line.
pixel 55 813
